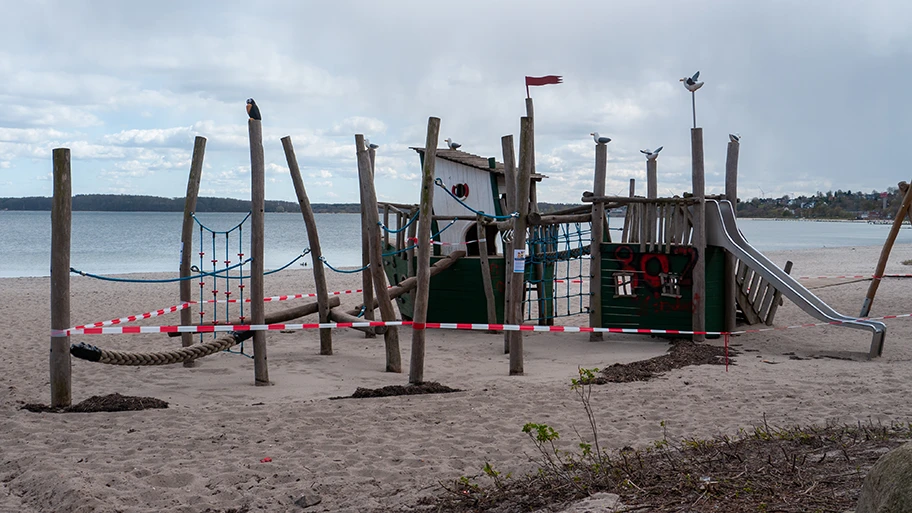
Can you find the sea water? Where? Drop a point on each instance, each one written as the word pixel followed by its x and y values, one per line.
pixel 108 243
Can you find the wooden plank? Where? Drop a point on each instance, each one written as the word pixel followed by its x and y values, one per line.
pixel 486 273
pixel 257 248
pixel 193 184
pixel 509 158
pixel 313 238
pixel 777 298
pixel 698 240
pixel 378 278
pixel 60 366
pixel 367 284
pixel 426 209
pixel 595 252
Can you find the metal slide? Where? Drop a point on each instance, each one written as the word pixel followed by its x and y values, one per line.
pixel 722 230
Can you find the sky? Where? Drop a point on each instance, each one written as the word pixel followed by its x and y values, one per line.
pixel 817 90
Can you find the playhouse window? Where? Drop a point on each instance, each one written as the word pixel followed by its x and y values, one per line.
pixel 623 285
pixel 671 285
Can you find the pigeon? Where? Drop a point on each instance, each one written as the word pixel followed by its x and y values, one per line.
pixel 452 145
pixel 734 137
pixel 600 140
pixel 691 82
pixel 252 110
pixel 652 155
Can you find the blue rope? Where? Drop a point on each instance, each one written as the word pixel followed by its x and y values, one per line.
pixel 169 280
pixel 403 250
pixel 439 183
pixel 322 259
pixel 210 230
pixel 406 225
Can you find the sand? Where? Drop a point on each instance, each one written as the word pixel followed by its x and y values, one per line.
pixel 206 451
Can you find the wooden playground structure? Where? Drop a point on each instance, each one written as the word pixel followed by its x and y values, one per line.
pixel 481 235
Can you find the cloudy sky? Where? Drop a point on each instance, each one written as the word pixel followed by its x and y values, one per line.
pixel 818 90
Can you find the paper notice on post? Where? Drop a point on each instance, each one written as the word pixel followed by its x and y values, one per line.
pixel 519 261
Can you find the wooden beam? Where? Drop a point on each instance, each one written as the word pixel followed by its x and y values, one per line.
pixel 313 238
pixel 422 291
pixel 378 277
pixel 367 287
pixel 519 243
pixel 193 184
pixel 885 251
pixel 698 240
pixel 731 194
pixel 257 248
pixel 61 217
pixel 595 253
pixel 486 272
pixel 506 144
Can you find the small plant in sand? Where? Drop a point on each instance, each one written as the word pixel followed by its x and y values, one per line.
pixel 907 262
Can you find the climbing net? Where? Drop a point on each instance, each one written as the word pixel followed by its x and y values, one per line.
pixel 557 271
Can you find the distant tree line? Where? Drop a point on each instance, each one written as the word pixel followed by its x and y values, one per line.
pixel 133 203
pixel 829 205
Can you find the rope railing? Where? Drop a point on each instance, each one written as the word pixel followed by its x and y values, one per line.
pixel 439 183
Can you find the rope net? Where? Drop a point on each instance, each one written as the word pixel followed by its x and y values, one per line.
pixel 557 272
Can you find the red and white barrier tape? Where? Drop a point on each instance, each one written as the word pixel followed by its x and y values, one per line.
pixel 857 276
pixel 429 325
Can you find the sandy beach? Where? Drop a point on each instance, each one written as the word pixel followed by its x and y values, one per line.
pixel 224 444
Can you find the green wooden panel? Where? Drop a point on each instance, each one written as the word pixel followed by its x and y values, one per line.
pixel 649 307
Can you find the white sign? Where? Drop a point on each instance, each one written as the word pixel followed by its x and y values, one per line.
pixel 519 261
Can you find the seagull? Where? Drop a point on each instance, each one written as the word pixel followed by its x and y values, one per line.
pixel 600 140
pixel 734 137
pixel 452 144
pixel 370 145
pixel 691 82
pixel 652 155
pixel 252 110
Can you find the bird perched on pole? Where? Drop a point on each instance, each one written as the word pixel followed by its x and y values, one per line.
pixel 452 145
pixel 598 139
pixel 734 137
pixel 653 154
pixel 369 145
pixel 692 85
pixel 252 110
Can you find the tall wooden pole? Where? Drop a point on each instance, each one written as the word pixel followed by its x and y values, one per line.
pixel 367 287
pixel 61 216
pixel 193 184
pixel 378 278
pixel 885 251
pixel 652 179
pixel 545 310
pixel 509 157
pixel 595 251
pixel 633 188
pixel 422 292
pixel 731 194
pixel 257 250
pixel 699 233
pixel 519 242
pixel 313 238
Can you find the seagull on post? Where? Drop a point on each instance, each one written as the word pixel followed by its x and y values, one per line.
pixel 598 139
pixel 734 137
pixel 452 145
pixel 369 145
pixel 652 154
pixel 692 85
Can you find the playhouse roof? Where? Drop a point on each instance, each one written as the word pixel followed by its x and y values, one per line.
pixel 468 159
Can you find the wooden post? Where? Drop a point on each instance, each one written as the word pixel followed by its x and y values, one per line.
pixel 422 291
pixel 257 252
pixel 523 180
pixel 699 233
pixel 310 223
pixel 486 270
pixel 61 216
pixel 633 188
pixel 885 251
pixel 367 287
pixel 651 193
pixel 378 277
pixel 595 251
pixel 731 194
pixel 506 143
pixel 651 179
pixel 193 183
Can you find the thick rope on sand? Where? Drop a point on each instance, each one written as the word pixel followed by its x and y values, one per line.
pixel 95 354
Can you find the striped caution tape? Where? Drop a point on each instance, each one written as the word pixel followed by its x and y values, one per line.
pixel 114 330
pixel 854 277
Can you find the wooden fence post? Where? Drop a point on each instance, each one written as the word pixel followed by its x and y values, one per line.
pixel 257 250
pixel 887 247
pixel 595 252
pixel 506 143
pixel 61 217
pixel 313 238
pixel 699 233
pixel 367 287
pixel 193 184
pixel 731 194
pixel 422 291
pixel 378 277
pixel 519 242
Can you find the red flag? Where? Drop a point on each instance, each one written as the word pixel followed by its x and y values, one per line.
pixel 540 81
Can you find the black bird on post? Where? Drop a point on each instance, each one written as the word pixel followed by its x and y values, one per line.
pixel 252 110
